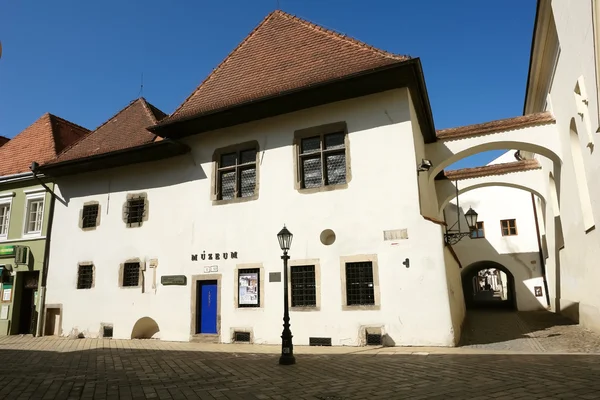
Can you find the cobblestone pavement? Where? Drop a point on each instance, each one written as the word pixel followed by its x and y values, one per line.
pixel 54 368
pixel 538 331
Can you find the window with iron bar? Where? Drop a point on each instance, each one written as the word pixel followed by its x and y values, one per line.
pixel 4 219
pixel 131 274
pixel 323 160
pixel 89 216
pixel 85 276
pixel 304 288
pixel 136 209
pixel 236 174
pixel 360 288
pixel 509 227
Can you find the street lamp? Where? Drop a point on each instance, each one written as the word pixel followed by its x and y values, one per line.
pixel 453 236
pixel 287 347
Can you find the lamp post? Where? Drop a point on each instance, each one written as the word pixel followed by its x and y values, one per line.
pixel 287 347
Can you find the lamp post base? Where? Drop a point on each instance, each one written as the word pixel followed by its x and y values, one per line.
pixel 287 359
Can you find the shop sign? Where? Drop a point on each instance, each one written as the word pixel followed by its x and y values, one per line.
pixel 168 280
pixel 6 251
pixel 215 256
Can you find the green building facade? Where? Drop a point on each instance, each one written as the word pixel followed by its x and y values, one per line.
pixel 25 213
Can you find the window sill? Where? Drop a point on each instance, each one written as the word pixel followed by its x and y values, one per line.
pixel 326 188
pixel 23 239
pixel 249 308
pixel 31 235
pixel 130 287
pixel 216 202
pixel 305 309
pixel 373 307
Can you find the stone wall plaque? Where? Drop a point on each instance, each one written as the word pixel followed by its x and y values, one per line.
pixel 169 280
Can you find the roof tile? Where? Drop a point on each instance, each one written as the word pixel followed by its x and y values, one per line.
pixel 496 126
pixel 40 142
pixel 493 169
pixel 124 130
pixel 281 54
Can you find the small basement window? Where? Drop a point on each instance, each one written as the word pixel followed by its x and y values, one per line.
pixel 241 337
pixel 319 341
pixel 107 331
pixel 373 339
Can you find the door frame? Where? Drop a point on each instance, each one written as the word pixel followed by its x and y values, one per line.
pixel 204 337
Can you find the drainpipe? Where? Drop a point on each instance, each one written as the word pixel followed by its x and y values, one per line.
pixel 42 295
pixel 542 263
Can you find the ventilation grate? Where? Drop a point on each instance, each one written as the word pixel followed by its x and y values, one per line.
pixel 319 341
pixel 107 331
pixel 241 337
pixel 373 339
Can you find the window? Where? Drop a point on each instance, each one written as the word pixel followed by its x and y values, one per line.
pixel 478 233
pixel 4 219
pixel 89 216
pixel 34 216
pixel 304 288
pixel 249 287
pixel 359 283
pixel 322 160
pixel 136 210
pixel 236 174
pixel 509 227
pixel 85 276
pixel 131 274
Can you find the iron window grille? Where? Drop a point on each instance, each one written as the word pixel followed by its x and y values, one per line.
pixel 249 287
pixel 242 337
pixel 236 175
pixel 374 339
pixel 360 288
pixel 304 288
pixel 89 216
pixel 136 209
pixel 85 277
pixel 323 160
pixel 131 274
pixel 479 232
pixel 319 341
pixel 509 227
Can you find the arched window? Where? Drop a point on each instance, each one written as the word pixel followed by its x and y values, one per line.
pixel 582 186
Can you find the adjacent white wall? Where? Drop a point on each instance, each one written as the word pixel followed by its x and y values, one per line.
pixel 573 268
pixel 382 195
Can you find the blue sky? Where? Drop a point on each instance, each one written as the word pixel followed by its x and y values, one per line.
pixel 83 60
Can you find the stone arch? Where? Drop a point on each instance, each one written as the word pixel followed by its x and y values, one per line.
pixel 580 177
pixel 456 150
pixel 145 328
pixel 449 198
pixel 471 271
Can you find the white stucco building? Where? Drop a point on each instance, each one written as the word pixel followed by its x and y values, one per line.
pixel 173 235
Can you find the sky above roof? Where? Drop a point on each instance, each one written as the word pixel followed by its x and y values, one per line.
pixel 84 61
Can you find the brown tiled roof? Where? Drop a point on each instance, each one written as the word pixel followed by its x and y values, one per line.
pixel 496 126
pixel 39 142
pixel 282 53
pixel 3 140
pixel 126 129
pixel 494 169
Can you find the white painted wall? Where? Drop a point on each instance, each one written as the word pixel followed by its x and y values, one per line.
pixel 520 253
pixel 573 271
pixel 382 195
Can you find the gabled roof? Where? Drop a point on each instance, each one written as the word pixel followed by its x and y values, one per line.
pixel 496 126
pixel 3 140
pixel 127 129
pixel 492 169
pixel 283 53
pixel 40 142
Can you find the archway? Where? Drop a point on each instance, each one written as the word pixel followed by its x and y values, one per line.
pixel 489 285
pixel 145 328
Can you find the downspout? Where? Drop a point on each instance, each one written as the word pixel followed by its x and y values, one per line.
pixel 542 262
pixel 42 296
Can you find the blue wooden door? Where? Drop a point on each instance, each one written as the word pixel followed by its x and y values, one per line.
pixel 208 307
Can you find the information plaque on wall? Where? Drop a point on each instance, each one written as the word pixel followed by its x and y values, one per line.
pixel 169 280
